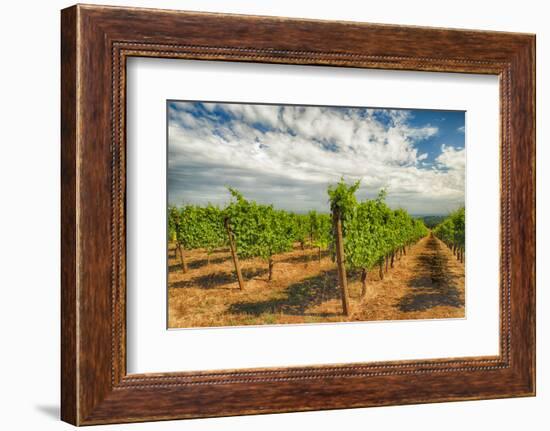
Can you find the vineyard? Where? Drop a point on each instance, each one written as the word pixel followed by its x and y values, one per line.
pixel 250 263
pixel 452 232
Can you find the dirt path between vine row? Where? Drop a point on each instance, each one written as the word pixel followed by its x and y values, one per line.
pixel 426 283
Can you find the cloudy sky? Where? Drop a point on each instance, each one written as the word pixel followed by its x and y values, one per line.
pixel 288 155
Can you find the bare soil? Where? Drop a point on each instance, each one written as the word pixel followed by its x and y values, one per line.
pixel 426 283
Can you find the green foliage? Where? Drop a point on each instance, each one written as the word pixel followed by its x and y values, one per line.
pixel 320 229
pixel 259 230
pixel 173 223
pixel 197 227
pixel 452 230
pixel 300 228
pixel 342 198
pixel 364 236
pixel 371 229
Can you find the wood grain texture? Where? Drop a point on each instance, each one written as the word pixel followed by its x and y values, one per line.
pixel 69 366
pixel 96 41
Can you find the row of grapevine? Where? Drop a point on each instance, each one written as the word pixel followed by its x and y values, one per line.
pixel 368 234
pixel 250 229
pixel 452 232
pixel 193 227
pixel 257 230
pixel 320 231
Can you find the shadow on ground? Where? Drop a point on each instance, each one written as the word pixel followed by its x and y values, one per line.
pixel 216 280
pixel 312 257
pixel 299 297
pixel 437 287
pixel 199 263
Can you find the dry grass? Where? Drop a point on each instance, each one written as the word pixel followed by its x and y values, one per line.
pixel 427 283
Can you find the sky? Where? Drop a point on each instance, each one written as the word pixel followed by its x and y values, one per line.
pixel 288 155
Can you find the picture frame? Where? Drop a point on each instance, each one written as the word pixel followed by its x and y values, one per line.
pixel 96 42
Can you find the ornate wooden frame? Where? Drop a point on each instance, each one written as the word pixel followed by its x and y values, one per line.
pixel 96 41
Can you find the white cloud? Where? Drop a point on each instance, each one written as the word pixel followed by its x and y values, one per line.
pixel 451 158
pixel 298 151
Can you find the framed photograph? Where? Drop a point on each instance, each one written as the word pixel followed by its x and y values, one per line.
pixel 323 214
pixel 261 190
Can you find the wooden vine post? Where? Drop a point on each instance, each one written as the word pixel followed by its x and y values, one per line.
pixel 340 260
pixel 364 282
pixel 271 264
pixel 234 254
pixel 182 259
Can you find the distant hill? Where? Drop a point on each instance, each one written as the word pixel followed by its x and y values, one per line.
pixel 431 221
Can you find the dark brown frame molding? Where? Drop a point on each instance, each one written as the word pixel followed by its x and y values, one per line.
pixel 95 43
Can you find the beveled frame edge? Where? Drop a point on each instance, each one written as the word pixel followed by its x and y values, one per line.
pixel 96 41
